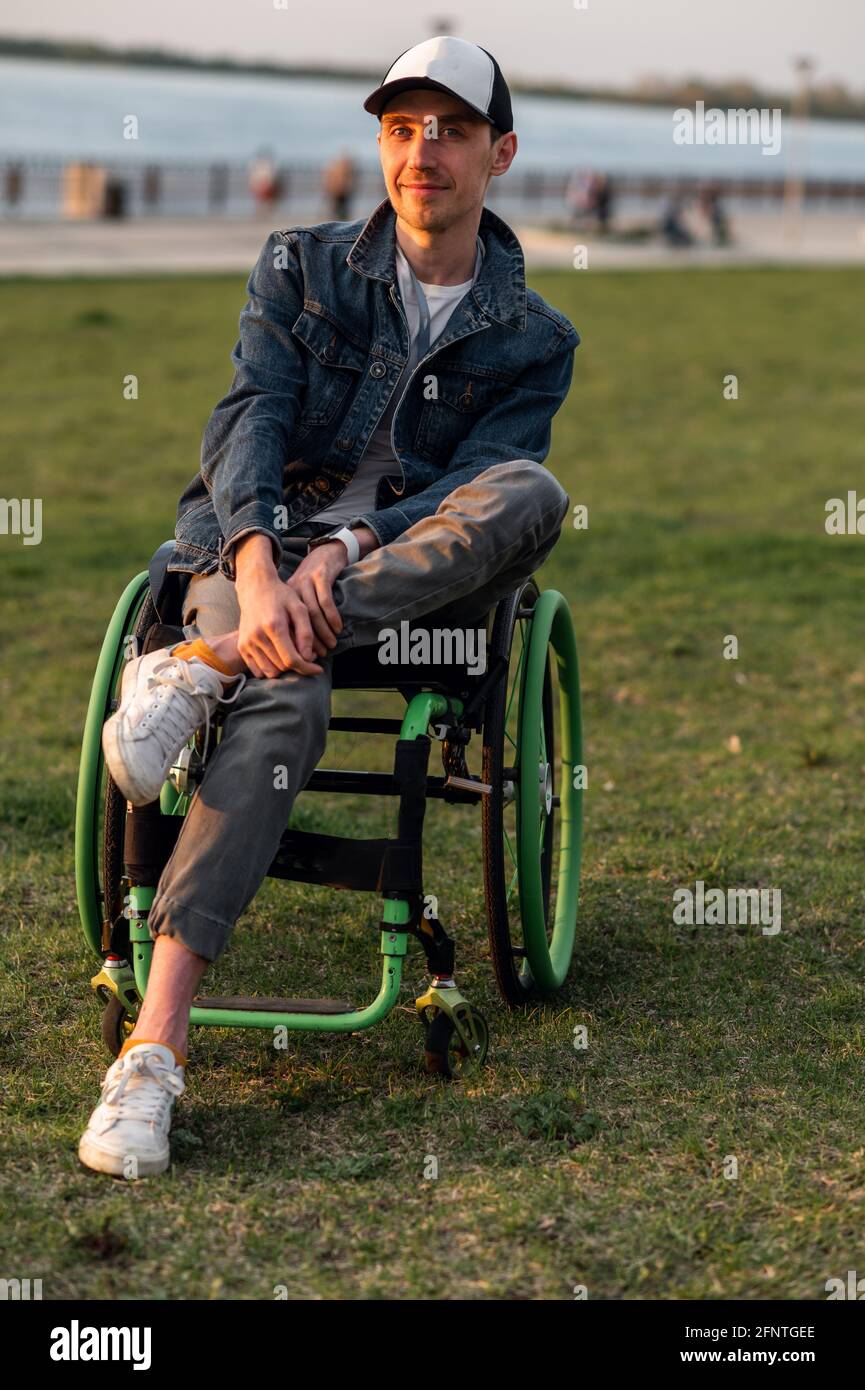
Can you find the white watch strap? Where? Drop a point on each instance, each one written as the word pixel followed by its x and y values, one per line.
pixel 352 544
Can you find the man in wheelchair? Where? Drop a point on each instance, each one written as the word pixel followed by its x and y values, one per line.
pixel 378 459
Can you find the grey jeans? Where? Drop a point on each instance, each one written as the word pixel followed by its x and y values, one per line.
pixel 485 537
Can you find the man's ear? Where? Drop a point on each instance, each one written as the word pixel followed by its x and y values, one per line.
pixel 505 154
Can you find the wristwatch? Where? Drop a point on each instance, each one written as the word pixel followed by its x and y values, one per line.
pixel 344 534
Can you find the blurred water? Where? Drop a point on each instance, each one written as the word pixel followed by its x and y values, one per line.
pixel 76 110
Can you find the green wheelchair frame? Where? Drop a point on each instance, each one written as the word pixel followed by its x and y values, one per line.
pixel 531 805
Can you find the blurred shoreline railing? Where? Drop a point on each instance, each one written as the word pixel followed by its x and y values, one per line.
pixel 39 188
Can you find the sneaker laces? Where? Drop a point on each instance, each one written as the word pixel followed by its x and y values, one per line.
pixel 143 1103
pixel 172 722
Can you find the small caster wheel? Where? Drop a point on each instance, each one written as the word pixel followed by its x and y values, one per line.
pixel 445 1053
pixel 117 1025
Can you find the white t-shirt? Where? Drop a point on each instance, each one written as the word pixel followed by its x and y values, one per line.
pixel 378 458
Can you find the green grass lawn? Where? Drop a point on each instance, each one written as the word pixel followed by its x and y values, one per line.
pixel 603 1167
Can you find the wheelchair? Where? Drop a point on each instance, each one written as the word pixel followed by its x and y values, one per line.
pixel 524 708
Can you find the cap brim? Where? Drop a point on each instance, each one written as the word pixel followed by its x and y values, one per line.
pixel 382 95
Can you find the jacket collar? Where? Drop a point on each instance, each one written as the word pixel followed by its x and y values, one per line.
pixel 500 289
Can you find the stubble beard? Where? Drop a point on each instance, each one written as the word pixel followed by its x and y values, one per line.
pixel 425 217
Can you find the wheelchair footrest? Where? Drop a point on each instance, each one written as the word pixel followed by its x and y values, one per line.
pixel 259 1004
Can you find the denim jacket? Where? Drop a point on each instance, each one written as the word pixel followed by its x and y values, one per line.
pixel 323 341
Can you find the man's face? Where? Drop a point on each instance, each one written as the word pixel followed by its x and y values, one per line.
pixel 433 182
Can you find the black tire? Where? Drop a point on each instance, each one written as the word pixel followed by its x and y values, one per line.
pixel 445 1053
pixel 117 1024
pixel 114 812
pixel 503 918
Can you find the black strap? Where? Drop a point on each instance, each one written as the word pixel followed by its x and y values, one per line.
pixel 372 866
pixel 148 839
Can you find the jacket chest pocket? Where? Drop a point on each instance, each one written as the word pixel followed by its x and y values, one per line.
pixel 459 399
pixel 334 366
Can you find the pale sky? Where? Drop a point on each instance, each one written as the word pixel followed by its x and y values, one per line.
pixel 609 43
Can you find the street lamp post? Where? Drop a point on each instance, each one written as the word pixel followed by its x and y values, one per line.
pixel 794 187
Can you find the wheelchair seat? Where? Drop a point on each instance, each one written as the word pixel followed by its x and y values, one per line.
pixel 356 669
pixel 359 668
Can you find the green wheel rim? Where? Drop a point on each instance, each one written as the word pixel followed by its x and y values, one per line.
pixel 92 765
pixel 548 960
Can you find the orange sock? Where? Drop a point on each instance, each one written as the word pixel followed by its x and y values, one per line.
pixel 186 650
pixel 134 1042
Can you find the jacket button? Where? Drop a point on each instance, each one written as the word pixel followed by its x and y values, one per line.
pixel 344 442
pixel 378 369
pixel 322 484
pixel 465 400
pixel 328 353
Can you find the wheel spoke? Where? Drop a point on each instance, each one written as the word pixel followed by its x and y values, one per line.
pixel 515 685
pixel 513 854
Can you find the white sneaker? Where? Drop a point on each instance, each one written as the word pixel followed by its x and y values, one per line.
pixel 163 700
pixel 128 1131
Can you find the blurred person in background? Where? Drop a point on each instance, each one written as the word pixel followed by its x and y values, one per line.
pixel 589 196
pixel 602 202
pixel 263 183
pixel 339 182
pixel 13 186
pixel 577 194
pixel 711 209
pixel 674 228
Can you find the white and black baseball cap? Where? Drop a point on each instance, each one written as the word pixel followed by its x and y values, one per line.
pixel 446 64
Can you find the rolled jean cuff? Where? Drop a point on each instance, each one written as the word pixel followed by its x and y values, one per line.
pixel 204 936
